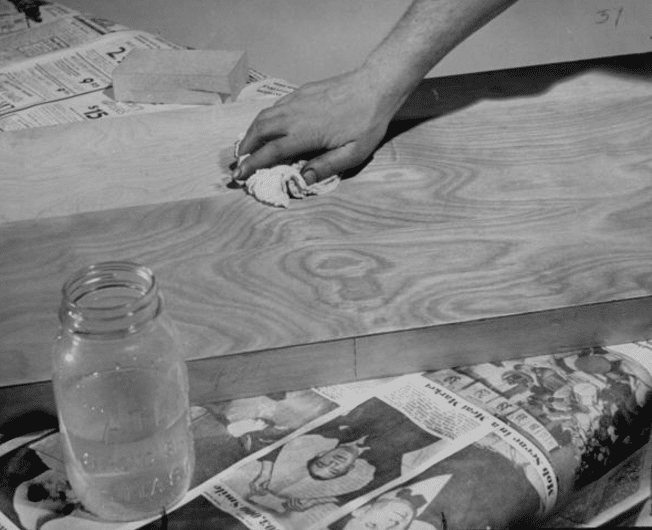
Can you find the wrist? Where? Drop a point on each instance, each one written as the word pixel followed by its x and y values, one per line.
pixel 386 85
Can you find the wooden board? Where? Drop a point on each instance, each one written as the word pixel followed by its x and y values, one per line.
pixel 515 223
pixel 184 77
pixel 132 161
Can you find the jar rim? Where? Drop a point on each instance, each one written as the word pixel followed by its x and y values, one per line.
pixel 97 272
pixel 90 295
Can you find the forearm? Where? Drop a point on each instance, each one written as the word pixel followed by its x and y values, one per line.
pixel 345 118
pixel 266 470
pixel 425 34
pixel 261 481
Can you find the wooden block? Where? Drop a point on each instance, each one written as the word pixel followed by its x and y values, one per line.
pixel 180 76
pixel 505 227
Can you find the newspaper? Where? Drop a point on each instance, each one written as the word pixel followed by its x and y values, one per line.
pixel 491 445
pixel 20 15
pixel 620 498
pixel 62 33
pixel 60 72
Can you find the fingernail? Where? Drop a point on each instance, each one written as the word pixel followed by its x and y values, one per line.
pixel 237 173
pixel 310 176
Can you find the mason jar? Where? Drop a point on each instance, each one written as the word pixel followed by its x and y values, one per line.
pixel 121 390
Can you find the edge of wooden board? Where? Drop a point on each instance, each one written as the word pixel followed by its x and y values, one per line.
pixel 387 354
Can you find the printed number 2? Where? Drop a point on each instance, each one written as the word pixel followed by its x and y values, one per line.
pixel 609 15
pixel 119 51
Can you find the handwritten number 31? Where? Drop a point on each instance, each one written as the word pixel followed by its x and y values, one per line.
pixel 606 15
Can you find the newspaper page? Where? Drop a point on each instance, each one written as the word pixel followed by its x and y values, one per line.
pixel 620 498
pixel 62 33
pixel 596 404
pixel 19 15
pixel 59 71
pixel 589 410
pixel 258 88
pixel 73 83
pixel 315 474
pixel 421 451
pixel 70 84
pixel 34 492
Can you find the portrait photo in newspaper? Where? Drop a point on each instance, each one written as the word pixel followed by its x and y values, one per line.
pixel 422 451
pixel 458 492
pixel 35 494
pixel 332 464
pixel 226 432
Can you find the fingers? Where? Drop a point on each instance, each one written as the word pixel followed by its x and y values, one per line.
pixel 278 151
pixel 257 488
pixel 268 143
pixel 268 125
pixel 270 154
pixel 334 162
pixel 313 120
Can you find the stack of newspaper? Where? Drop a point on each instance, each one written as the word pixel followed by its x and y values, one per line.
pixel 558 439
pixel 491 445
pixel 59 70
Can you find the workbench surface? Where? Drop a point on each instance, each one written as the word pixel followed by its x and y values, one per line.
pixel 509 217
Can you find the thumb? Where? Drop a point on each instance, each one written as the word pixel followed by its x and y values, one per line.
pixel 333 162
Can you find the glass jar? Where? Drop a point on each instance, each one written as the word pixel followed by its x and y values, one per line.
pixel 121 390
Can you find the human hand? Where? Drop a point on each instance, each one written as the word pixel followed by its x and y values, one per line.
pixel 259 486
pixel 341 120
pixel 301 505
pixel 298 505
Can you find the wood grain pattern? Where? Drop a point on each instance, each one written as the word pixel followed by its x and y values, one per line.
pixel 505 227
pixel 131 161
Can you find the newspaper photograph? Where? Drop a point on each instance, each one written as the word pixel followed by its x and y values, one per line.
pixel 311 475
pixel 458 492
pixel 34 491
pixel 405 435
pixel 420 451
pixel 587 409
pixel 619 498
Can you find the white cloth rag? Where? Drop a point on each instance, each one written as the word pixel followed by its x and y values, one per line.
pixel 277 185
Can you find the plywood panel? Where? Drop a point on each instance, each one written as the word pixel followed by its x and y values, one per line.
pixel 510 337
pixel 522 215
pixel 136 160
